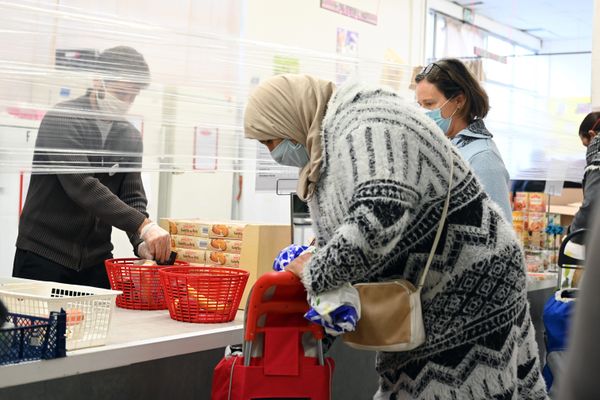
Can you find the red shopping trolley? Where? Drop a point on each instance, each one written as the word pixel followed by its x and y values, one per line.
pixel 282 355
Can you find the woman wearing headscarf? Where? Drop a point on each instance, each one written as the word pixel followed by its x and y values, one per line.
pixel 375 172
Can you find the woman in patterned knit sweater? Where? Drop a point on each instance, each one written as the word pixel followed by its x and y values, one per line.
pixel 375 173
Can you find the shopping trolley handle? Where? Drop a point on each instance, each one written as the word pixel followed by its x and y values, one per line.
pixel 270 279
pixel 294 302
pixel 568 261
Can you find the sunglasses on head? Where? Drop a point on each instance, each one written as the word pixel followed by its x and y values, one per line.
pixel 596 124
pixel 429 68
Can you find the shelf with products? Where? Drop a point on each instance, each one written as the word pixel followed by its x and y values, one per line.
pixel 540 222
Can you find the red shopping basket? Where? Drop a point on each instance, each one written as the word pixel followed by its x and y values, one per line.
pixel 203 294
pixel 140 284
pixel 275 364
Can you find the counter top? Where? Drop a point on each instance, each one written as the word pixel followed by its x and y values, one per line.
pixel 138 336
pixel 541 281
pixel 135 336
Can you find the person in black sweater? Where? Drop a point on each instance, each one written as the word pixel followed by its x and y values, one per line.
pixel 86 180
pixel 588 133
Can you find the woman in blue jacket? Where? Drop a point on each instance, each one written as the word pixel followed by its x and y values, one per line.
pixel 457 103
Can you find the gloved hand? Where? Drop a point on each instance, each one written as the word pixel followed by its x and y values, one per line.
pixel 144 252
pixel 157 240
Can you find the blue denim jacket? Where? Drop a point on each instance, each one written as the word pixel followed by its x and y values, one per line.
pixel 476 146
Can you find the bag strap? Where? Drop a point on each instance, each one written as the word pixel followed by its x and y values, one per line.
pixel 440 228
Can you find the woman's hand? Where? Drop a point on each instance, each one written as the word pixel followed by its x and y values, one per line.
pixel 297 265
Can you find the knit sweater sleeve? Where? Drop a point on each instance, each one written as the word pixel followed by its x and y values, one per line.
pixel 133 194
pixel 61 143
pixel 360 244
pixel 372 173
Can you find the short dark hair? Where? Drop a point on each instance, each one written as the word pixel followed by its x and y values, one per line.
pixel 124 63
pixel 451 77
pixel 590 122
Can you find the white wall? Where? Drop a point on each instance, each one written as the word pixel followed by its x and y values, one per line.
pixel 305 27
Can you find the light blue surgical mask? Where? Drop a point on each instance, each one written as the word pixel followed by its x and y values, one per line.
pixel 290 154
pixel 436 116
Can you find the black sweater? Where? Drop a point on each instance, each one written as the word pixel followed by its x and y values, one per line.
pixel 75 197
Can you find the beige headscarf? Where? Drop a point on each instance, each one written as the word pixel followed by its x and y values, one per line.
pixel 291 107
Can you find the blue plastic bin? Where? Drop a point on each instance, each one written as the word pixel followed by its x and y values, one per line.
pixel 30 338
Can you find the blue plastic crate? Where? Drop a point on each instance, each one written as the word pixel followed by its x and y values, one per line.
pixel 33 338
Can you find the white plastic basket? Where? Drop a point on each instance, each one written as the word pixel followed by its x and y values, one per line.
pixel 9 280
pixel 89 309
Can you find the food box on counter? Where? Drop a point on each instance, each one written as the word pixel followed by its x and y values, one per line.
pixel 223 259
pixel 260 244
pixel 201 243
pixel 192 227
pixel 190 255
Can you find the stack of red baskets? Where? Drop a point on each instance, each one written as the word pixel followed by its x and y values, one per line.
pixel 140 284
pixel 203 294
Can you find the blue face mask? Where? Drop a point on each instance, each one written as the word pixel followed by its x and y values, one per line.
pixel 436 116
pixel 290 154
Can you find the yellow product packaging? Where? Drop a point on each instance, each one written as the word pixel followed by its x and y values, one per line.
pixel 186 227
pixel 520 201
pixel 518 222
pixel 226 245
pixel 226 231
pixel 189 242
pixel 537 202
pixel 223 259
pixel 191 255
pixel 536 221
pixel 200 243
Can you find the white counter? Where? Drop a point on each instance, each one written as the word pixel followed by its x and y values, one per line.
pixel 541 281
pixel 135 336
pixel 138 336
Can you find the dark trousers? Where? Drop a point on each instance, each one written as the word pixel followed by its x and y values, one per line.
pixel 29 265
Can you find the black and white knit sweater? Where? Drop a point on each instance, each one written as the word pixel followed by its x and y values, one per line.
pixel 383 182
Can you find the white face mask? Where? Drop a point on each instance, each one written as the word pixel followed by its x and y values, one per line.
pixel 110 105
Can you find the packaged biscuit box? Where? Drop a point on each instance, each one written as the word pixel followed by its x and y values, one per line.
pixel 189 242
pixel 223 259
pixel 537 240
pixel 537 202
pixel 226 231
pixel 194 242
pixel 190 227
pixel 225 245
pixel 191 256
pixel 520 201
pixel 536 221
pixel 187 227
pixel 518 222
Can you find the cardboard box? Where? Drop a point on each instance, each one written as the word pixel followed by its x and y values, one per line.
pixel 191 256
pixel 536 221
pixel 537 202
pixel 520 201
pixel 193 227
pixel 261 243
pixel 223 259
pixel 567 204
pixel 202 243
